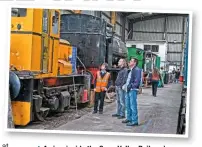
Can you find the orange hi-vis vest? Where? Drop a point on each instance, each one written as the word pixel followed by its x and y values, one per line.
pixel 101 83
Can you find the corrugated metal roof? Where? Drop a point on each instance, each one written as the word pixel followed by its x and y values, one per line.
pixel 147 36
pixel 139 14
pixel 155 25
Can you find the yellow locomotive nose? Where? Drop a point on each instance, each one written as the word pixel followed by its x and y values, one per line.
pixel 17 54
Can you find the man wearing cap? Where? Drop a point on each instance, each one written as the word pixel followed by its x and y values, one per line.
pixel 102 83
pixel 131 87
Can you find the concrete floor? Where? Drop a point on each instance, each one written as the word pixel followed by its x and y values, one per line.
pixel 156 114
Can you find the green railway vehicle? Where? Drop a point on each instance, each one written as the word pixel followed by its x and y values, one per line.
pixel 145 61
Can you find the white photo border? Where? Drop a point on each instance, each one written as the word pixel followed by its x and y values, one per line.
pixel 186 135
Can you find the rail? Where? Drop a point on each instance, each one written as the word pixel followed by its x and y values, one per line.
pixel 182 113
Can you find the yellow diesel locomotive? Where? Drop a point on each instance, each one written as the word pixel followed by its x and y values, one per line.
pixel 42 79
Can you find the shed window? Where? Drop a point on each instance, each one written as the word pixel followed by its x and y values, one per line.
pixel 155 48
pixel 134 46
pixel 147 47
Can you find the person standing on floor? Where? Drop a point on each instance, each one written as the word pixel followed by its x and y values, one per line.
pixel 120 93
pixel 173 75
pixel 155 80
pixel 131 87
pixel 102 83
pixel 177 76
pixel 162 74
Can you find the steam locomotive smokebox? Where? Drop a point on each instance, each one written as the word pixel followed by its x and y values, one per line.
pixel 88 34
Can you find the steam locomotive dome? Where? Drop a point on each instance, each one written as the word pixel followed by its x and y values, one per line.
pixel 119 49
pixel 88 34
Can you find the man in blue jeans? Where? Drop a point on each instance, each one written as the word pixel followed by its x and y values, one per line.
pixel 131 87
pixel 120 93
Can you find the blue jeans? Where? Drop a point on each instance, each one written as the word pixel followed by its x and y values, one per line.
pixel 131 106
pixel 154 87
pixel 120 99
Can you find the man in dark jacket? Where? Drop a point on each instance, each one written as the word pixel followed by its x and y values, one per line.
pixel 131 87
pixel 177 76
pixel 120 93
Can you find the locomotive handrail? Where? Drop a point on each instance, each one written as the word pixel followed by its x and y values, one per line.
pixel 81 62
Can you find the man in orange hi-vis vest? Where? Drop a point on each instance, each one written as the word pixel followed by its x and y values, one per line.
pixel 102 83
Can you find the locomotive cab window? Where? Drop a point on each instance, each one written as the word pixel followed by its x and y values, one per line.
pixel 18 12
pixel 45 21
pixel 55 22
pixel 148 55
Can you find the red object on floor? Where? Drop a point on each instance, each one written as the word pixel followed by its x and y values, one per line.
pixel 181 79
pixel 85 95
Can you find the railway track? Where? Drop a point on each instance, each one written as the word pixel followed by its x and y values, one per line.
pixel 55 120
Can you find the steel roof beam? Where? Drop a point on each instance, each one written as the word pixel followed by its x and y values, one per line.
pixel 155 16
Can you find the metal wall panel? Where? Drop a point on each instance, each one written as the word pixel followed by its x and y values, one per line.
pixel 88 12
pixel 173 57
pixel 66 12
pixel 178 64
pixel 105 18
pixel 147 36
pixel 97 13
pixel 155 25
pixel 118 18
pixel 185 24
pixel 108 13
pixel 126 34
pixel 175 24
pixel 126 24
pixel 172 37
pixel 185 29
pixel 118 29
pixel 174 47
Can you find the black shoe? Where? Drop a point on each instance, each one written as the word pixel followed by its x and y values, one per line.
pixel 125 121
pixel 94 112
pixel 115 115
pixel 132 124
pixel 121 117
pixel 100 112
